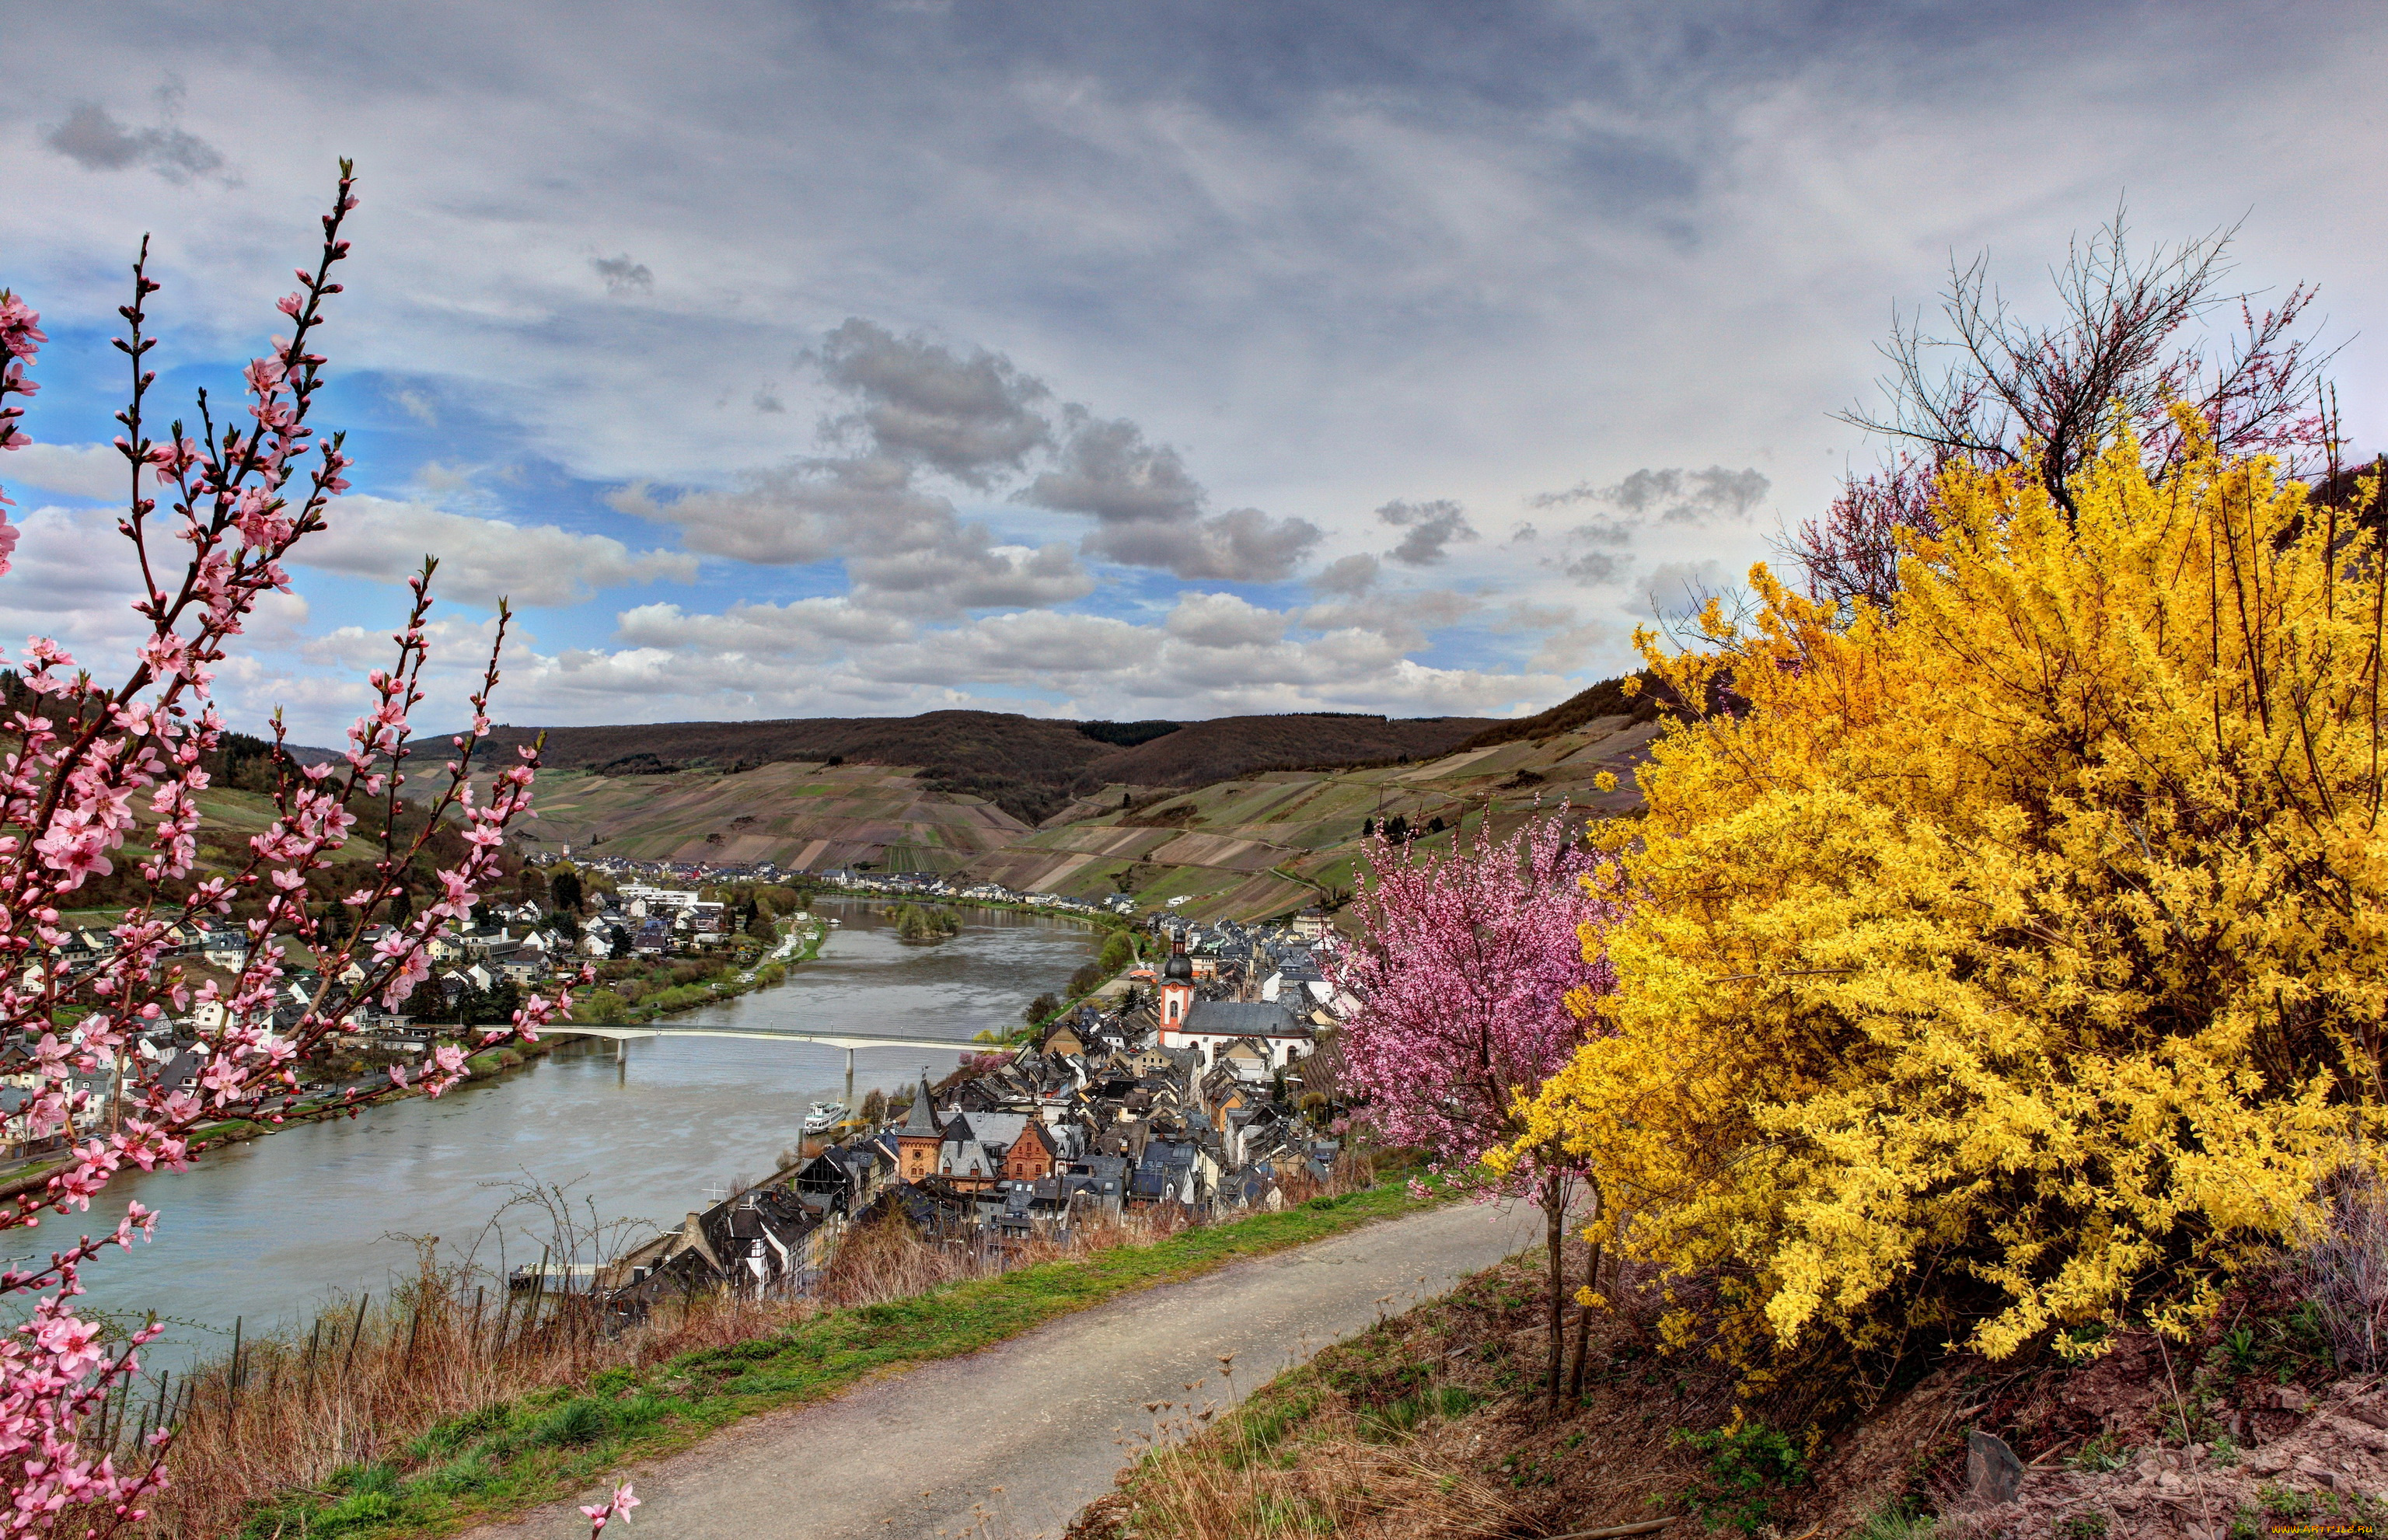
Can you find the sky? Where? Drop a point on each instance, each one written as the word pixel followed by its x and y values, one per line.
pixel 1084 358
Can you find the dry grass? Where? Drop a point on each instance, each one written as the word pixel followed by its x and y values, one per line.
pixel 2343 1268
pixel 1429 1424
pixel 368 1377
pixel 1355 1471
pixel 889 1260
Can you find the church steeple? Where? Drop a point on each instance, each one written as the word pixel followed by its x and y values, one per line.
pixel 916 1142
pixel 1177 990
pixel 922 1118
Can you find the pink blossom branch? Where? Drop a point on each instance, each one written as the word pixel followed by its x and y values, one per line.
pixel 94 763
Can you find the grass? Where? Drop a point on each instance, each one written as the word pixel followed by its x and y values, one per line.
pixel 508 1455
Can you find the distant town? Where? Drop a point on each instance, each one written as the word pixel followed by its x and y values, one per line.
pixel 1206 1079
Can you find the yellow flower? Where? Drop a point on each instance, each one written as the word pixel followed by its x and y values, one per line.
pixel 2018 959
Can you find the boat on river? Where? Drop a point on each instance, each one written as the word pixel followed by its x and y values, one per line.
pixel 824 1116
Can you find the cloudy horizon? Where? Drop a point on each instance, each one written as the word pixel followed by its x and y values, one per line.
pixel 1172 361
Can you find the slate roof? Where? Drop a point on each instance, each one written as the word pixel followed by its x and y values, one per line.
pixel 921 1120
pixel 1243 1018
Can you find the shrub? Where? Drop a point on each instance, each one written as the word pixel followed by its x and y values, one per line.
pixel 2008 961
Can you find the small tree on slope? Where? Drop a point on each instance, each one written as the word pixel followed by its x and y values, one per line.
pixel 1474 989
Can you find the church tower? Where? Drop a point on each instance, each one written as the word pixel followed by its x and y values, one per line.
pixel 916 1142
pixel 1176 992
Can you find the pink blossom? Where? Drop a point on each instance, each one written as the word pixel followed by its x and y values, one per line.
pixel 616 1507
pixel 1462 975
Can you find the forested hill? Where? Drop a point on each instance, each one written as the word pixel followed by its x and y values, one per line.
pixel 1029 766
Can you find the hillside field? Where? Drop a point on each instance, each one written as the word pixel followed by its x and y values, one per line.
pixel 1244 846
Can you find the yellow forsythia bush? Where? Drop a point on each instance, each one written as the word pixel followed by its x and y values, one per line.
pixel 2018 959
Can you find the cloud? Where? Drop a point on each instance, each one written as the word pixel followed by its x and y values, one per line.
pixel 1025 647
pixel 624 276
pixel 417 405
pixel 97 142
pixel 1403 618
pixel 966 570
pixel 71 470
pixel 1674 495
pixel 1224 621
pixel 481 559
pixel 1348 577
pixel 806 511
pixel 73 576
pixel 1431 526
pixel 903 546
pixel 1107 470
pixel 1599 550
pixel 1147 508
pixel 803 628
pixel 1584 557
pixel 972 416
pixel 1241 545
pixel 1680 588
pixel 1569 651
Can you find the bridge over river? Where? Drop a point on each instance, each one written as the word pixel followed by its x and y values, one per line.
pixel 846 1040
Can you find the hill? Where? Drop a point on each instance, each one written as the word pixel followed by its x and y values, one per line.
pixel 803 815
pixel 1605 699
pixel 1030 767
pixel 1200 753
pixel 1257 843
pixel 1272 841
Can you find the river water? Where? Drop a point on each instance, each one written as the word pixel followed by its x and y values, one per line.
pixel 268 1230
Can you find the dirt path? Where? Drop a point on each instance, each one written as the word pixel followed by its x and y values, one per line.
pixel 1010 1443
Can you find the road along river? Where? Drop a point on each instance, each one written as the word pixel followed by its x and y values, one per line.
pixel 268 1230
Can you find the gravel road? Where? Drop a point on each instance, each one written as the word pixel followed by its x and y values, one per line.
pixel 1010 1443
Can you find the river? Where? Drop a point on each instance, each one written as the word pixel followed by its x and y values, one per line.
pixel 268 1230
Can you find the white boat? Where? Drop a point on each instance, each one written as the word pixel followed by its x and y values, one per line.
pixel 824 1116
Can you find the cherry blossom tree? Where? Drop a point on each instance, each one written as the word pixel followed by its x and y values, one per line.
pixel 105 773
pixel 1474 987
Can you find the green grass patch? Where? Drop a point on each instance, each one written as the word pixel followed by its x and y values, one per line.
pixel 503 1458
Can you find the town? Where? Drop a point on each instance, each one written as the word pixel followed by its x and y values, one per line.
pixel 1206 1080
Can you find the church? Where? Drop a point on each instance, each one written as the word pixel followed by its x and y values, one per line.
pixel 1209 1025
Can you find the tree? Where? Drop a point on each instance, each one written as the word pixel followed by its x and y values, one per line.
pixel 1995 391
pixel 1040 1010
pixel 240 497
pixel 2009 965
pixel 564 888
pixel 1476 971
pixel 1397 829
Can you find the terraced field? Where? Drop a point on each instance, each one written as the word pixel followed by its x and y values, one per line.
pixel 799 815
pixel 1255 845
pixel 1264 843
